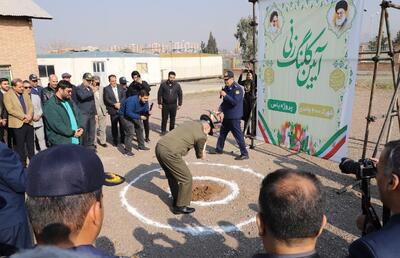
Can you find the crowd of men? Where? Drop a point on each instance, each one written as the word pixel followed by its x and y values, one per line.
pixel 67 212
pixel 33 118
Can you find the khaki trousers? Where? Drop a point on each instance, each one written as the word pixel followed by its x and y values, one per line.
pixel 178 175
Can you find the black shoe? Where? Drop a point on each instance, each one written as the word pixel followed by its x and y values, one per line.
pixel 147 140
pixel 104 145
pixel 182 210
pixel 129 154
pixel 115 143
pixel 144 148
pixel 242 157
pixel 214 151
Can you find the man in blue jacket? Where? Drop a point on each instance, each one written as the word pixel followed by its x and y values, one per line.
pixel 14 228
pixel 133 111
pixel 384 243
pixel 232 108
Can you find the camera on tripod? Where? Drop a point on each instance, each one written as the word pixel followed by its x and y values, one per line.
pixel 363 169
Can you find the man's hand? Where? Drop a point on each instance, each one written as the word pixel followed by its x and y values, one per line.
pixel 159 106
pixel 27 119
pixel 222 93
pixel 3 122
pixel 117 105
pixel 36 118
pixel 143 117
pixel 78 133
pixel 179 107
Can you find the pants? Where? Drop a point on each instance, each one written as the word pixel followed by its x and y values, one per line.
pixel 168 110
pixel 231 125
pixel 178 175
pixel 131 126
pixel 247 105
pixel 101 129
pixel 146 126
pixel 24 142
pixel 6 136
pixel 39 139
pixel 89 127
pixel 115 122
pixel 15 237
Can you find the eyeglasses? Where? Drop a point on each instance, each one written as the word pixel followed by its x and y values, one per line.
pixel 28 87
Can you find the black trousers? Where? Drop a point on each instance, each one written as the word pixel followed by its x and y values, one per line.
pixel 24 142
pixel 146 126
pixel 116 124
pixel 6 136
pixel 89 133
pixel 168 110
pixel 132 126
pixel 247 105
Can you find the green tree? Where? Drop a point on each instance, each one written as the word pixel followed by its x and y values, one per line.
pixel 211 47
pixel 372 44
pixel 244 34
pixel 396 40
pixel 203 47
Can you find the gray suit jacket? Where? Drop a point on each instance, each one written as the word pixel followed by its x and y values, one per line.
pixel 98 99
pixel 37 110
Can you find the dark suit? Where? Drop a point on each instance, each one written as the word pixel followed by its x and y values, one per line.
pixel 14 229
pixel 87 107
pixel 383 243
pixel 109 100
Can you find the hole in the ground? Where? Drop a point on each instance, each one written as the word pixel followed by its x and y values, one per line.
pixel 207 190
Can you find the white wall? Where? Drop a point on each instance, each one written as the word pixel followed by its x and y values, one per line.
pixel 120 66
pixel 192 67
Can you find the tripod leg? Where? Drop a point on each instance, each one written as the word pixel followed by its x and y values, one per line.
pixel 395 83
pixel 371 97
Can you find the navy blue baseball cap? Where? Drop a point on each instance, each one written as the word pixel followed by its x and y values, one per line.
pixel 229 74
pixel 65 170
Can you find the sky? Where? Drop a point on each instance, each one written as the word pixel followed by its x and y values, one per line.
pixel 120 22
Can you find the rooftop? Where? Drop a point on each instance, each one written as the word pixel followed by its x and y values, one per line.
pixel 22 8
pixel 94 54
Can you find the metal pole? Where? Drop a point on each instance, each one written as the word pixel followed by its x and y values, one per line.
pixel 371 97
pixel 253 89
pixel 394 100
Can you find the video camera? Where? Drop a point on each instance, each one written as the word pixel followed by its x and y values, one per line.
pixel 364 168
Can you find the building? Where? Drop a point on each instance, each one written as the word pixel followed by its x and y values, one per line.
pixel 99 63
pixel 153 68
pixel 17 47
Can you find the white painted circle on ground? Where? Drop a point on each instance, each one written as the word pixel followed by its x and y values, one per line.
pixel 194 230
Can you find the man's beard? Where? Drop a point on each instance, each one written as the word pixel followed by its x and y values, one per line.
pixel 340 21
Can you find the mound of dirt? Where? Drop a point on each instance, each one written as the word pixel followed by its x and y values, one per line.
pixel 206 191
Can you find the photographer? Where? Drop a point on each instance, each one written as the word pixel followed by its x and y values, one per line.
pixel 384 242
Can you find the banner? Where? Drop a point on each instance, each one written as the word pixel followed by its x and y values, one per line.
pixel 307 66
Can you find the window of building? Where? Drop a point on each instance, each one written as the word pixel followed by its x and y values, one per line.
pixel 142 67
pixel 5 72
pixel 46 70
pixel 98 67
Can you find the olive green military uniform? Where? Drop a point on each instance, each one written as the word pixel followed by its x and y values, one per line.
pixel 169 152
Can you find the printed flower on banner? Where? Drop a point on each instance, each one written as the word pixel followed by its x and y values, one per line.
pixel 296 137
